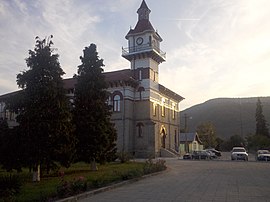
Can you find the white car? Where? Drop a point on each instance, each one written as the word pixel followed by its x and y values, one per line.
pixel 239 153
pixel 263 155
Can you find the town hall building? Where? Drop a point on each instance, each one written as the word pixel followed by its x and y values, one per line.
pixel 146 114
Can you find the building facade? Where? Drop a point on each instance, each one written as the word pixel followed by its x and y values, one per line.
pixel 189 142
pixel 145 113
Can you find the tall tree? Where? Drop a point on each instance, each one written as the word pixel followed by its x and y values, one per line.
pixel 94 130
pixel 261 125
pixel 45 117
pixel 207 134
pixel 12 150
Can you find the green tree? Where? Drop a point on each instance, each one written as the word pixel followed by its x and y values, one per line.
pixel 207 134
pixel 3 130
pixel 234 141
pixel 94 130
pixel 45 118
pixel 220 142
pixel 256 142
pixel 261 125
pixel 12 150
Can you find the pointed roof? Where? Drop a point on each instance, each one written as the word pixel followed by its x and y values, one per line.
pixel 189 137
pixel 143 7
pixel 141 26
pixel 143 23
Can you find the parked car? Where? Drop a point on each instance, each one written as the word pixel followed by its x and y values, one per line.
pixel 187 156
pixel 201 155
pixel 216 152
pixel 239 153
pixel 212 154
pixel 263 155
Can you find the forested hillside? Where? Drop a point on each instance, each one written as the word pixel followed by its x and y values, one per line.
pixel 230 116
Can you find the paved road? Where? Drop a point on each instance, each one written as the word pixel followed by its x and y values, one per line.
pixel 193 181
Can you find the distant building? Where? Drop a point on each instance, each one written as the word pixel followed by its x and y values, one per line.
pixel 145 113
pixel 189 142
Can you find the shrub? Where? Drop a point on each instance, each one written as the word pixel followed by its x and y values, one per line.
pixel 124 156
pixel 130 174
pixel 78 185
pixel 10 185
pixel 68 188
pixel 99 182
pixel 151 167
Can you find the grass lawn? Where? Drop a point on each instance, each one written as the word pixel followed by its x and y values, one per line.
pixel 75 176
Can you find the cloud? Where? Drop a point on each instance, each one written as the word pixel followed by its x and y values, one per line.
pixel 224 54
pixel 215 48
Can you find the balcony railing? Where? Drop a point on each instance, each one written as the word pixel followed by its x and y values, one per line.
pixel 142 48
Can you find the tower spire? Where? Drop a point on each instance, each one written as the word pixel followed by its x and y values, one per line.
pixel 143 11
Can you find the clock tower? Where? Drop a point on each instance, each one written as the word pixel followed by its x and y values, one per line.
pixel 143 49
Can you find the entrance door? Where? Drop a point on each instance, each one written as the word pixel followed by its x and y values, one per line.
pixel 163 138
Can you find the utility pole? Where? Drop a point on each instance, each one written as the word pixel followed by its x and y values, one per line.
pixel 186 130
pixel 241 121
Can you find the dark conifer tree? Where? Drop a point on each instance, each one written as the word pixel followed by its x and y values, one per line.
pixel 261 125
pixel 45 118
pixel 12 148
pixel 94 130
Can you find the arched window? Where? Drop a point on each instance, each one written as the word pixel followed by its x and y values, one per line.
pixel 140 128
pixel 116 103
pixel 140 91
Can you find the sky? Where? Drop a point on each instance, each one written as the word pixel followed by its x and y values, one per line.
pixel 214 48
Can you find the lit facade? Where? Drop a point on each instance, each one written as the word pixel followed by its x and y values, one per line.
pixel 146 114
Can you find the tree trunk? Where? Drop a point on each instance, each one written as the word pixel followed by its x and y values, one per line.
pixel 36 173
pixel 94 165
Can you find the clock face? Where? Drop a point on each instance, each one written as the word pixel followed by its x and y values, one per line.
pixel 139 40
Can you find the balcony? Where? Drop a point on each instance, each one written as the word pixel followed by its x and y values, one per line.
pixel 146 48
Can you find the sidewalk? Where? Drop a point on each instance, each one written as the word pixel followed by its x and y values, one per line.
pixel 197 181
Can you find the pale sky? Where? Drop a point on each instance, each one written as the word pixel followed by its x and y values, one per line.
pixel 215 48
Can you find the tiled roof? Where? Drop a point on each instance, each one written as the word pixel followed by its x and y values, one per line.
pixel 189 137
pixel 141 26
pixel 69 83
pixel 5 96
pixel 125 74
pixel 121 75
pixel 114 76
pixel 170 93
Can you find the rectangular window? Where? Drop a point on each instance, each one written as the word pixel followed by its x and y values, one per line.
pixel 175 137
pixel 173 111
pixel 116 106
pixel 163 107
pixel 154 109
pixel 116 103
pixel 162 110
pixel 156 76
pixel 140 75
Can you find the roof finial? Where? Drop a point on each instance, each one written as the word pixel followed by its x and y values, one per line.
pixel 143 11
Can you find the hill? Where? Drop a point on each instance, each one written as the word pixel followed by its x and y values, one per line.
pixel 230 116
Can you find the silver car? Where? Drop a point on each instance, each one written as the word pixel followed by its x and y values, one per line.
pixel 239 153
pixel 263 155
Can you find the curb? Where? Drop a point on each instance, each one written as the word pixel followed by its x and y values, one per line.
pixel 107 188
